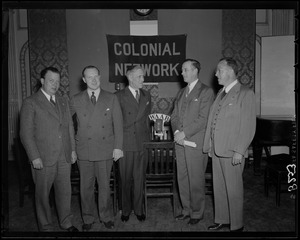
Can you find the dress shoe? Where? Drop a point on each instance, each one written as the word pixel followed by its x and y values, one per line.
pixel 86 227
pixel 182 217
pixel 141 218
pixel 193 221
pixel 72 229
pixel 109 224
pixel 238 230
pixel 217 226
pixel 124 218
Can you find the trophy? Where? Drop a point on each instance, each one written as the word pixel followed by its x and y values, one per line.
pixel 160 131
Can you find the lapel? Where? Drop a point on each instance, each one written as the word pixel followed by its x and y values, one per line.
pixel 131 98
pixel 101 104
pixel 232 94
pixel 142 104
pixel 195 92
pixel 47 105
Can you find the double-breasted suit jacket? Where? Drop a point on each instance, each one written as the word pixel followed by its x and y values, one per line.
pixel 47 133
pixel 190 115
pixel 100 127
pixel 136 131
pixel 135 116
pixel 99 132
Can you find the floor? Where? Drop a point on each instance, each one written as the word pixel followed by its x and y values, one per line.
pixel 261 216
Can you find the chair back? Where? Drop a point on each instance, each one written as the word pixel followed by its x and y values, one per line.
pixel 160 157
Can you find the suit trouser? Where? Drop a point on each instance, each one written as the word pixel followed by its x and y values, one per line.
pixel 57 175
pixel 132 172
pixel 191 166
pixel 228 191
pixel 89 172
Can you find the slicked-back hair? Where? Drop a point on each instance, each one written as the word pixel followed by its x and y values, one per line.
pixel 195 63
pixel 89 67
pixel 45 70
pixel 231 63
pixel 133 69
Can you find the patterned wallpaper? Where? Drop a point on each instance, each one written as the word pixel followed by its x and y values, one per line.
pixel 159 105
pixel 238 41
pixel 48 45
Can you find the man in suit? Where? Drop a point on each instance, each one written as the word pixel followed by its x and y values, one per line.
pixel 136 106
pixel 230 130
pixel 188 120
pixel 99 142
pixel 47 134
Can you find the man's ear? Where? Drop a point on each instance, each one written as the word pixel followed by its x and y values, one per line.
pixel 42 81
pixel 83 80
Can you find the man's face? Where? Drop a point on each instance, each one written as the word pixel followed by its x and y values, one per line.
pixel 92 78
pixel 223 73
pixel 189 72
pixel 136 79
pixel 51 82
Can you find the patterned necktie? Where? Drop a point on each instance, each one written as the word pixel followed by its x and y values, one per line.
pixel 137 96
pixel 52 101
pixel 93 98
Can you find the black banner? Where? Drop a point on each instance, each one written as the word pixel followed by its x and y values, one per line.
pixel 160 56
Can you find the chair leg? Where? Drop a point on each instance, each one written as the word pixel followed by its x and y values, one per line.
pixel 115 199
pixel 278 190
pixel 266 176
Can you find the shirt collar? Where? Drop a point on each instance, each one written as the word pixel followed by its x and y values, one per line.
pixel 132 90
pixel 227 89
pixel 47 95
pixel 96 92
pixel 192 85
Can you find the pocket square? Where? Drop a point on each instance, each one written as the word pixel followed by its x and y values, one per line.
pixel 107 109
pixel 147 103
pixel 230 104
pixel 195 100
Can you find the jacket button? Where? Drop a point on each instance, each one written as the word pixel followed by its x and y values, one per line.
pixel 89 138
pixel 103 138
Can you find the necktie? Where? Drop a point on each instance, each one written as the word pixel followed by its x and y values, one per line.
pixel 187 90
pixel 93 98
pixel 223 93
pixel 137 96
pixel 52 101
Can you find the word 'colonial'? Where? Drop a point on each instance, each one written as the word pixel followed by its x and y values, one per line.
pixel 145 49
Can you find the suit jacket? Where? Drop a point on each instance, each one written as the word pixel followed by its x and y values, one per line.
pixel 193 123
pixel 44 130
pixel 100 127
pixel 235 126
pixel 136 123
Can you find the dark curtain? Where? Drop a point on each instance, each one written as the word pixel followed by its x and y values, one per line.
pixel 4 121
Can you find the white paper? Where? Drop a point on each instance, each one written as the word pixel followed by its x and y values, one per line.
pixel 189 143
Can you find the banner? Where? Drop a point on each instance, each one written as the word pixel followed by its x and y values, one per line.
pixel 160 56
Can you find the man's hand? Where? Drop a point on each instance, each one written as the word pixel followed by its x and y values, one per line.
pixel 37 163
pixel 73 157
pixel 117 153
pixel 179 137
pixel 237 159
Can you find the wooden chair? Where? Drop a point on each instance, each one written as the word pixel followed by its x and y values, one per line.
pixel 75 179
pixel 276 173
pixel 208 178
pixel 26 184
pixel 161 172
